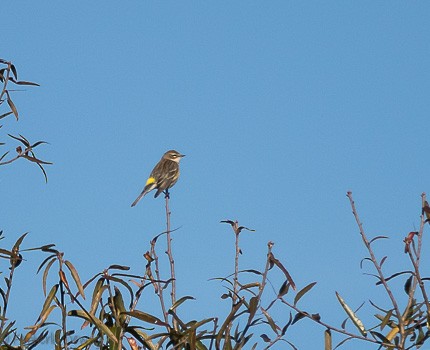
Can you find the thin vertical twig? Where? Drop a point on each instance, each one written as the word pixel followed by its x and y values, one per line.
pixel 158 287
pixel 377 265
pixel 236 266
pixel 63 307
pixel 416 261
pixel 170 255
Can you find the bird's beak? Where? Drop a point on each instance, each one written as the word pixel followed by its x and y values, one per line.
pixel 182 155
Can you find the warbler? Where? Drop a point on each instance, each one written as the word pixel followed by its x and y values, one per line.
pixel 163 176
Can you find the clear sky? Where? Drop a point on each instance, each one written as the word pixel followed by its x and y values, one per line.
pixel 281 107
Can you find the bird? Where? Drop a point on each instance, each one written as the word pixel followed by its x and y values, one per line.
pixel 163 176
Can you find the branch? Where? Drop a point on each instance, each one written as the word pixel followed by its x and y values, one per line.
pixel 376 264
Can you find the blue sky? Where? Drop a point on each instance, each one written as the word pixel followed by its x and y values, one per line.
pixel 281 107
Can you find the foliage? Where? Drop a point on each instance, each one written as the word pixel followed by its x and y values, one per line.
pixel 9 74
pixel 110 304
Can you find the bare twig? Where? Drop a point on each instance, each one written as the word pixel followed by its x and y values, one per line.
pixel 334 329
pixel 158 286
pixel 377 265
pixel 169 249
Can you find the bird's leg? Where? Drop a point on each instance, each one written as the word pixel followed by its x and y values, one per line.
pixel 166 193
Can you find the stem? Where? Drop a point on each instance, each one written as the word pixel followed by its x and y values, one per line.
pixel 63 315
pixel 62 301
pixel 260 293
pixel 334 329
pixel 416 262
pixel 159 288
pixel 236 268
pixel 377 266
pixel 6 79
pixel 170 255
pixel 6 298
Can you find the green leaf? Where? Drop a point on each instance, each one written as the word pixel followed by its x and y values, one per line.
pixel 386 319
pixel 36 327
pixel 298 317
pixel 98 291
pixel 119 280
pixel 4 155
pixel 48 301
pixel 19 241
pixel 180 301
pixel 45 274
pixel 118 302
pixel 272 323
pixel 275 261
pixel 380 336
pixel 118 267
pixel 143 316
pixel 408 285
pixel 253 306
pixel 75 277
pixel 6 252
pixel 7 331
pixel 5 115
pixel 265 338
pixel 303 292
pixel 23 82
pixel 284 289
pixel 96 322
pixel 357 322
pixel 12 107
pixel 14 72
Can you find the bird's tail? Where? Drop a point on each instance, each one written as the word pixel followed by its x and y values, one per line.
pixel 139 198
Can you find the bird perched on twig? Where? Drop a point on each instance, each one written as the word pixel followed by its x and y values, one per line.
pixel 163 176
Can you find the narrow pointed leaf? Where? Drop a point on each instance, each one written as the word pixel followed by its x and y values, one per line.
pixel 265 338
pixel 4 155
pixel 63 279
pixel 284 289
pixel 180 301
pixel 14 72
pixel 48 300
pixel 298 317
pixel 275 261
pixel 4 115
pixel 355 320
pixel 408 285
pixel 12 107
pixel 36 327
pixel 96 322
pixel 119 267
pixel 386 319
pixel 378 237
pixel 303 291
pixel 253 306
pixel 45 274
pixel 23 82
pixel 272 323
pixel 19 241
pixel 118 302
pixel 75 277
pixel 143 316
pixel 381 337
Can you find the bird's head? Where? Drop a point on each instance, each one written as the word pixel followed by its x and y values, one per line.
pixel 173 156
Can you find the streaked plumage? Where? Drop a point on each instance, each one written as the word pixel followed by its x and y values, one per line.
pixel 163 176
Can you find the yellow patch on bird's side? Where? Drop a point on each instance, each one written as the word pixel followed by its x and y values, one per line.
pixel 151 180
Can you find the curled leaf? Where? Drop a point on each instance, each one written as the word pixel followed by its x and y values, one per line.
pixel 355 320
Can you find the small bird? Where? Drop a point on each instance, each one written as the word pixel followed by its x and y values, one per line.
pixel 163 176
